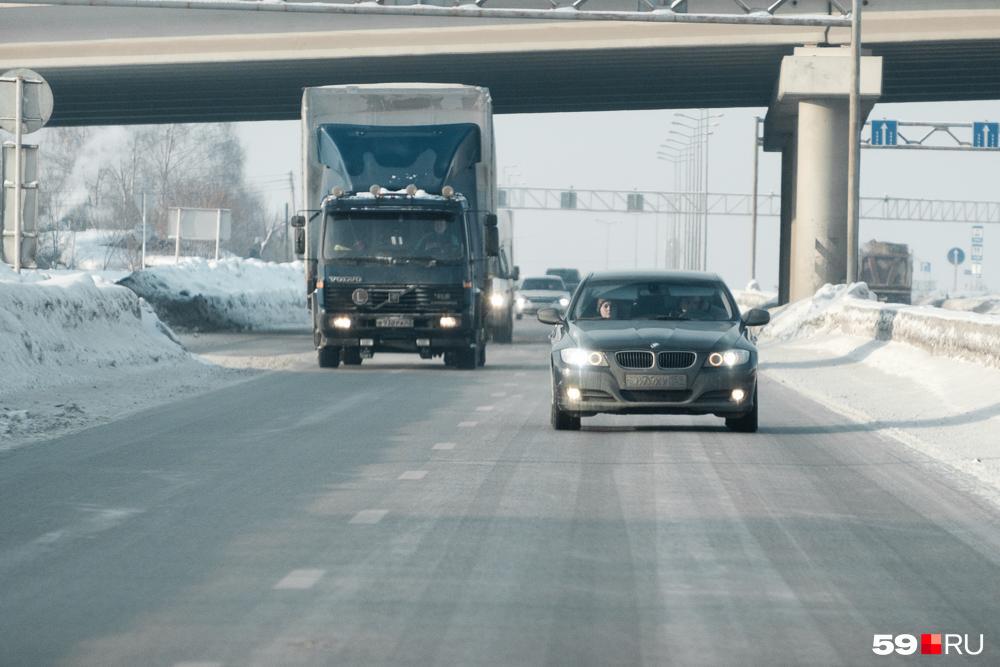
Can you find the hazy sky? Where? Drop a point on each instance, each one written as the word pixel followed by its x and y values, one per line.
pixel 617 150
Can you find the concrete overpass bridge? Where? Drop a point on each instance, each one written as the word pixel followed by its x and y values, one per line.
pixel 114 65
pixel 120 65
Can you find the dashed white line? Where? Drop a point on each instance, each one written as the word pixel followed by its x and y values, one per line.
pixel 467 424
pixel 510 384
pixel 498 394
pixel 484 408
pixel 369 516
pixel 299 580
pixel 444 445
pixel 413 475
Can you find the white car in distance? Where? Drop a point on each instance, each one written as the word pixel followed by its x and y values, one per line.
pixel 540 292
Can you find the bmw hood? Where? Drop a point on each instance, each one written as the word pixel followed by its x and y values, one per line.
pixel 610 336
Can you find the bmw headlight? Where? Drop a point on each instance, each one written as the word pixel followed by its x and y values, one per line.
pixel 728 358
pixel 579 357
pixel 498 300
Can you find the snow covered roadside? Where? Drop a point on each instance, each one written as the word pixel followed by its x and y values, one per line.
pixel 76 350
pixel 228 294
pixel 921 376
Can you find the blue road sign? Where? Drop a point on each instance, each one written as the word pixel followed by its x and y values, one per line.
pixel 986 135
pixel 956 256
pixel 884 132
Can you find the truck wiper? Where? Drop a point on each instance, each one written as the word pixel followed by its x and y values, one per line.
pixel 361 260
pixel 431 261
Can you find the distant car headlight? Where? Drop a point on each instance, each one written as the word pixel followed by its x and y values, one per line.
pixel 563 301
pixel 579 357
pixel 498 300
pixel 728 358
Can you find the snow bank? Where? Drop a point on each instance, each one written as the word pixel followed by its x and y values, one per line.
pixel 56 327
pixel 985 304
pixel 228 294
pixel 753 297
pixel 854 310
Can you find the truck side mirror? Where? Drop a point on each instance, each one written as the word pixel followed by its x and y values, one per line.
pixel 516 273
pixel 492 241
pixel 300 240
pixel 491 220
pixel 298 221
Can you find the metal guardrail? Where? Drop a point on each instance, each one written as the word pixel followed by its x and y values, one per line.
pixel 551 10
pixel 732 204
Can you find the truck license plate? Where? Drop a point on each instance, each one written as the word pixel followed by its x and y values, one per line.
pixel 642 381
pixel 395 322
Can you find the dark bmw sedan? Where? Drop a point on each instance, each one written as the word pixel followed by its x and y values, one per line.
pixel 654 343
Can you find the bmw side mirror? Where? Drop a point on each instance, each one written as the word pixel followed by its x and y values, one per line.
pixel 549 316
pixel 756 317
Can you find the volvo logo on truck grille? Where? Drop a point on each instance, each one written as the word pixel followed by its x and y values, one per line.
pixel 360 296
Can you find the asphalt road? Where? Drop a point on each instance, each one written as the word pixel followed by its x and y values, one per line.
pixel 405 513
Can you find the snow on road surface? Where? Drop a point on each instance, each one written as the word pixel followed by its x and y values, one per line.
pixel 909 373
pixel 76 349
pixel 227 294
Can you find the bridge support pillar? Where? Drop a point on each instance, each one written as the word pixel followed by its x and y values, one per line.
pixel 808 123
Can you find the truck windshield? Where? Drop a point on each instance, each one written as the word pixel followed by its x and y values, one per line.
pixel 410 236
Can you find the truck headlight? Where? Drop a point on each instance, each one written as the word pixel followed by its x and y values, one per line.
pixel 341 322
pixel 579 357
pixel 563 301
pixel 728 358
pixel 448 322
pixel 498 300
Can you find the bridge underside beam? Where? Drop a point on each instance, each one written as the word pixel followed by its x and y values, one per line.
pixel 520 82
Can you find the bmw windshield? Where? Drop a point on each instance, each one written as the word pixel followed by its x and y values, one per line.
pixel 654 300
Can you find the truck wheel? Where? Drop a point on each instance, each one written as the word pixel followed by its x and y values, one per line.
pixel 748 422
pixel 520 315
pixel 481 355
pixel 328 357
pixel 505 334
pixel 466 358
pixel 351 356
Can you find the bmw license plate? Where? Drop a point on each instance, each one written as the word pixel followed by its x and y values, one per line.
pixel 644 381
pixel 394 322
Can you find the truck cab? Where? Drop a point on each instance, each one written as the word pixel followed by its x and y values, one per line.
pixel 399 272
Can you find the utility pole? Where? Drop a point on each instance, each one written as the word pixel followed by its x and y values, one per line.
pixel 854 147
pixel 753 204
pixel 142 263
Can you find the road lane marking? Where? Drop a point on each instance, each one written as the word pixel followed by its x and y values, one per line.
pixel 444 445
pixel 484 408
pixel 369 516
pixel 467 424
pixel 299 580
pixel 197 664
pixel 498 394
pixel 413 475
pixel 510 384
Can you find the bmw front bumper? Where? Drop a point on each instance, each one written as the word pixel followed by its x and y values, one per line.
pixel 604 389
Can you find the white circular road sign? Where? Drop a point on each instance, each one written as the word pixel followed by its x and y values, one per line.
pixel 37 100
